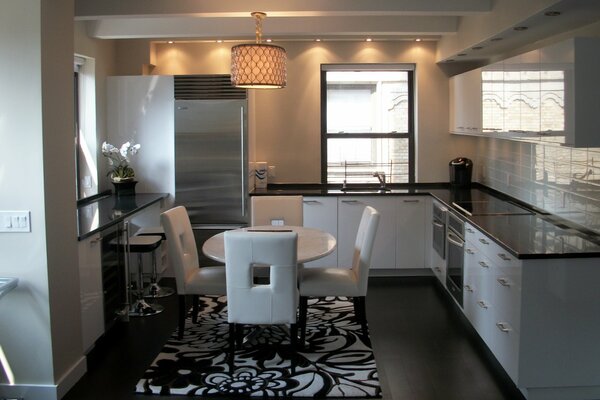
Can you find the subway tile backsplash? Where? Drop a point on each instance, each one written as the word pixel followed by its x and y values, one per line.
pixel 560 180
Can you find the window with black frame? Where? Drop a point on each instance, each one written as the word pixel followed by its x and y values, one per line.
pixel 367 123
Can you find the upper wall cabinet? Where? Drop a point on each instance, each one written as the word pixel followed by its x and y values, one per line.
pixel 465 103
pixel 545 95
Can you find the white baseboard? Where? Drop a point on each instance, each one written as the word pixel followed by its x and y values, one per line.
pixel 45 392
pixel 71 377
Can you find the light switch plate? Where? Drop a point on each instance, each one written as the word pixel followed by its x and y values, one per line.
pixel 15 221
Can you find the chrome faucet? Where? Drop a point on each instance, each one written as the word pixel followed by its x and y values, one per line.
pixel 381 177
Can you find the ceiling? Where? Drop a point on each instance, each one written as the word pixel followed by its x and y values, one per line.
pixel 329 20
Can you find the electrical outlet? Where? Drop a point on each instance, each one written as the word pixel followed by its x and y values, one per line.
pixel 15 221
pixel 272 173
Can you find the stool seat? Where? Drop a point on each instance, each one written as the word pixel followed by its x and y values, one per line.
pixel 144 243
pixel 152 231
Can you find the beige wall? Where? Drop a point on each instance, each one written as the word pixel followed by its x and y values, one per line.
pixel 287 121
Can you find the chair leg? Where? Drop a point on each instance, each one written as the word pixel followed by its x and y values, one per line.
pixel 195 308
pixel 232 340
pixel 302 318
pixel 360 310
pixel 239 335
pixel 294 337
pixel 182 312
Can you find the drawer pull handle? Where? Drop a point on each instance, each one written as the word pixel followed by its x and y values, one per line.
pixel 411 201
pixel 311 202
pixel 437 224
pixel 483 264
pixel 503 327
pixel 438 269
pixel 503 282
pixel 470 230
pixel 469 251
pixel 484 241
pixel 482 304
pixel 468 288
pixel 504 257
pixel 350 201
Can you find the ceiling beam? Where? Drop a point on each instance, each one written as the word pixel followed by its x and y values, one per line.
pixel 95 9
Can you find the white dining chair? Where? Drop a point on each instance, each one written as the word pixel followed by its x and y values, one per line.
pixel 248 303
pixel 276 210
pixel 353 282
pixel 190 278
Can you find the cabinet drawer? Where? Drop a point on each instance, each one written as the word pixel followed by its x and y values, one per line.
pixel 496 254
pixel 506 287
pixel 479 312
pixel 504 343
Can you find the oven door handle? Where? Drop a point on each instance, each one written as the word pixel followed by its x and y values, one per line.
pixel 437 224
pixel 455 240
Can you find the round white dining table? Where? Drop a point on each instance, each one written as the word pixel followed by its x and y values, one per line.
pixel 312 243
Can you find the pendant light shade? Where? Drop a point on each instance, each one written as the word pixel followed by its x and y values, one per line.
pixel 258 65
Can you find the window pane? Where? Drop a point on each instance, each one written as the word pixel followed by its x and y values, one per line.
pixel 367 101
pixel 355 160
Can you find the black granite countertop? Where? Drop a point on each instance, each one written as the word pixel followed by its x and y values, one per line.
pixel 109 210
pixel 537 235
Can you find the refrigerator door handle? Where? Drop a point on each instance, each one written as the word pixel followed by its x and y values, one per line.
pixel 243 172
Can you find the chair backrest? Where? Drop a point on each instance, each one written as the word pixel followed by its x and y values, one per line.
pixel 363 247
pixel 266 209
pixel 181 244
pixel 273 303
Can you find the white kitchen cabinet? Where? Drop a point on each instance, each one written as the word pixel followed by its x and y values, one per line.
pixel 320 212
pixel 350 210
pixel 465 103
pixel 410 232
pixel 91 292
pixel 544 95
pixel 492 297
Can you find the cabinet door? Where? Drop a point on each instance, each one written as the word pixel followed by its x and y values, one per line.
pixel 465 102
pixel 410 232
pixel 90 277
pixel 321 213
pixel 350 210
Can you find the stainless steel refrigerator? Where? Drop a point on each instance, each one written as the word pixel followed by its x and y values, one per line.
pixel 211 154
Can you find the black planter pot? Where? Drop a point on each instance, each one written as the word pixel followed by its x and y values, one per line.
pixel 124 188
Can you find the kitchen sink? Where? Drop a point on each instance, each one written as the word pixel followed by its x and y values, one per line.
pixel 7 284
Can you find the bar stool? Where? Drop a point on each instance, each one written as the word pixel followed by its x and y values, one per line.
pixel 154 290
pixel 140 245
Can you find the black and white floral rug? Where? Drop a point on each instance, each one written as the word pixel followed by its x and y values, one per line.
pixel 335 362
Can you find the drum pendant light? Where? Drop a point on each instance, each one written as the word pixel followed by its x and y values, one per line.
pixel 258 65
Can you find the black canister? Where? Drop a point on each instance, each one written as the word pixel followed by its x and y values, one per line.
pixel 461 169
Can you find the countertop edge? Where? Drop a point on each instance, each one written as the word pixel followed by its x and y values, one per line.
pixel 158 197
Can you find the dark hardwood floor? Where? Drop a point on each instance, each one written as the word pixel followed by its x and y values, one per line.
pixel 423 348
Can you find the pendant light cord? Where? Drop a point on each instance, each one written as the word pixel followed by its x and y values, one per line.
pixel 258 16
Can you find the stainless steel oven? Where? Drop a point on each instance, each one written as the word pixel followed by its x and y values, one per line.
pixel 455 241
pixel 439 229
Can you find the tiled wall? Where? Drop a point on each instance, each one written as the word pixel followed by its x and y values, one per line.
pixel 562 180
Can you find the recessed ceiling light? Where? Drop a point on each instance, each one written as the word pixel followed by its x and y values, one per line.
pixel 368 39
pixel 170 42
pixel 497 39
pixel 552 13
pixel 477 47
pixel 520 28
pixel 317 40
pixel 220 41
pixel 269 40
pixel 417 39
